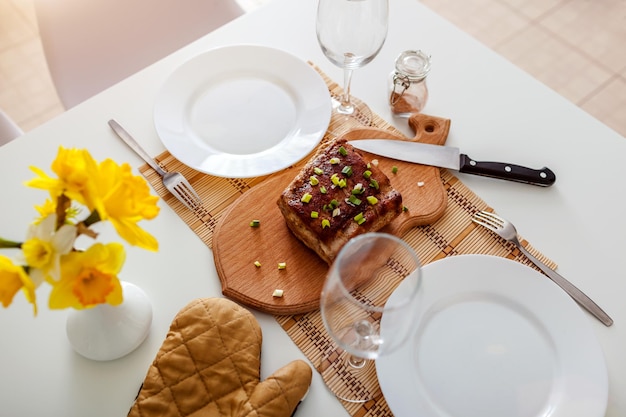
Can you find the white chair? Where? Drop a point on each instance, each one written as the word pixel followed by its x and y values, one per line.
pixel 92 44
pixel 8 129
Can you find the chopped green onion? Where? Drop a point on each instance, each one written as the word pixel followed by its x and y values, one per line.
pixel 374 183
pixel 367 174
pixel 358 189
pixel 257 264
pixel 306 198
pixel 405 208
pixel 369 165
pixel 334 161
pixel 282 265
pixel 255 223
pixel 323 190
pixel 342 183
pixel 343 151
pixel 313 180
pixel 334 179
pixel 325 223
pixel 347 171
pixel 334 203
pixel 318 171
pixel 336 212
pixel 314 214
pixel 278 293
pixel 354 200
pixel 372 200
pixel 359 218
pixel 394 169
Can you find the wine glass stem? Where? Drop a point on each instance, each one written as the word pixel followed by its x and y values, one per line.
pixel 346 107
pixel 356 362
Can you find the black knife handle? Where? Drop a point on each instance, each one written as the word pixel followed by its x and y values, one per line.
pixel 543 177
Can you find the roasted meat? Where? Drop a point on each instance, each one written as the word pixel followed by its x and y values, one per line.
pixel 336 196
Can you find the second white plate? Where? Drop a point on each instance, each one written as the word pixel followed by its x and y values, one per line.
pixel 242 111
pixel 496 338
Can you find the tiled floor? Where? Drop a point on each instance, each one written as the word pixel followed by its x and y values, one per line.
pixel 26 91
pixel 574 46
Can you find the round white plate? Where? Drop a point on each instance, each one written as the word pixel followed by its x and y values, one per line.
pixel 242 111
pixel 495 338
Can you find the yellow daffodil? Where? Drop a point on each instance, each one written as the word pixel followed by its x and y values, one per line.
pixel 44 247
pixel 126 200
pixel 79 279
pixel 89 278
pixel 76 170
pixel 12 279
pixel 47 208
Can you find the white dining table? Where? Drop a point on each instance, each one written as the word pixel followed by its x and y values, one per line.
pixel 498 112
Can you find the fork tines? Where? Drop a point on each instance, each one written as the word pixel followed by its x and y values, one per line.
pixel 188 196
pixel 488 219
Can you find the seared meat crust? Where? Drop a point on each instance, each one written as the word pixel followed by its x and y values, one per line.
pixel 348 180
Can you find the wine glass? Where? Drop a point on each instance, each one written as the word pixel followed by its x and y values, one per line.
pixel 375 278
pixel 350 33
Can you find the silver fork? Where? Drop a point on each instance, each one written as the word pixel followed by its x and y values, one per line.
pixel 506 230
pixel 175 182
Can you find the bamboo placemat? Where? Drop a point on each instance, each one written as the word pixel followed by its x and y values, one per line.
pixel 453 234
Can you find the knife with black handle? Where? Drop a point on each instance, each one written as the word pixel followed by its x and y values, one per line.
pixel 543 177
pixel 451 158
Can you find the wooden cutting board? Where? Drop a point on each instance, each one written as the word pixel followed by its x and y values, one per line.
pixel 237 246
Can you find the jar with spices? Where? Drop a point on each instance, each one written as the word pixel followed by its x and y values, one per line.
pixel 408 92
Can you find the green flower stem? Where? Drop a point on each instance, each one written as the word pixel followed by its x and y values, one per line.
pixel 9 244
pixel 93 218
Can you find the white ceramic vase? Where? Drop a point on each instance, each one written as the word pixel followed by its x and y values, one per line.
pixel 107 332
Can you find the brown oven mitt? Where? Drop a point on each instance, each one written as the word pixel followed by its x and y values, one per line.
pixel 209 365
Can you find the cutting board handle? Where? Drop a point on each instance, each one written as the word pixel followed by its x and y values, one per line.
pixel 429 129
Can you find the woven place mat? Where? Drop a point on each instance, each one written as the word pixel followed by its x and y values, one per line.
pixel 453 234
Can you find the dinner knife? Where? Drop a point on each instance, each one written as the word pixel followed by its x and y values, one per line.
pixel 452 158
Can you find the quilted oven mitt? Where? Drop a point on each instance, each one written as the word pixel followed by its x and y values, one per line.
pixel 209 365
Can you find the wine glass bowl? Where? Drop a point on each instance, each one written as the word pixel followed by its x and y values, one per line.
pixel 375 275
pixel 350 34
